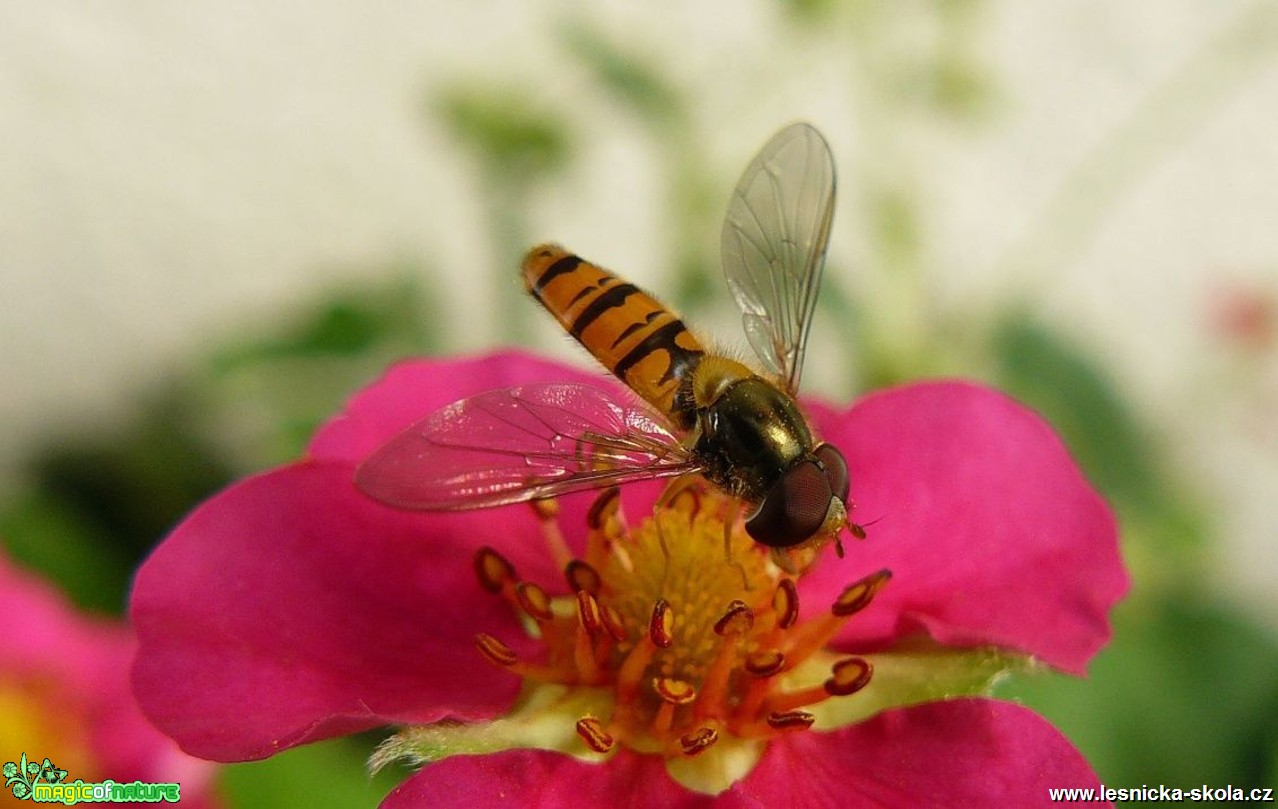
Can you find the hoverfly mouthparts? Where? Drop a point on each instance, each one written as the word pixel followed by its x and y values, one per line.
pixel 707 415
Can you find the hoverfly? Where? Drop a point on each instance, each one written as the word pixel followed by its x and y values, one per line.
pixel 708 415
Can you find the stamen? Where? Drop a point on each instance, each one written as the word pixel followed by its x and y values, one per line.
pixel 582 576
pixel 493 570
pixel 697 741
pixel 496 652
pixel 737 619
pixel 735 622
pixel 534 601
pixel 858 595
pixel 604 508
pixel 547 512
pixel 592 732
pixel 673 693
pixel 588 665
pixel 790 720
pixel 661 625
pixel 613 622
pixel 785 603
pixel 676 692
pixel 765 663
pixel 588 612
pixel 850 676
pixel 630 672
pixel 545 508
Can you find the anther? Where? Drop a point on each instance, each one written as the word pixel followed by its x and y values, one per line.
pixel 698 740
pixel 765 663
pixel 592 732
pixel 603 508
pixel 612 622
pixel 661 624
pixel 534 601
pixel 850 676
pixel 673 691
pixel 492 569
pixel 858 595
pixel 785 603
pixel 790 720
pixel 588 612
pixel 737 619
pixel 497 653
pixel 582 576
pixel 546 508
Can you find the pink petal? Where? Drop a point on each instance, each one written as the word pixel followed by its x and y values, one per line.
pixel 991 531
pixel 79 668
pixel 963 753
pixel 291 608
pixel 542 779
pixel 413 390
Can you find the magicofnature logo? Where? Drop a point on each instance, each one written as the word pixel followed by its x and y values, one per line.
pixel 21 776
pixel 46 783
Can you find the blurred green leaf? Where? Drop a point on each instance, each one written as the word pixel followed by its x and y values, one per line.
pixel 46 534
pixel 392 312
pixel 327 774
pixel 807 12
pixel 1070 390
pixel 267 395
pixel 1185 695
pixel 512 138
pixel 960 87
pixel 628 76
pixel 93 506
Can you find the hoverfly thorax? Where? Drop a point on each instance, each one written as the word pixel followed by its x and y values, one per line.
pixel 702 413
pixel 749 435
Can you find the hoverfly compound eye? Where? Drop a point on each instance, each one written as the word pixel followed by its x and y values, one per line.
pixel 793 509
pixel 836 470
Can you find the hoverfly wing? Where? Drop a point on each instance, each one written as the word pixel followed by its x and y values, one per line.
pixel 774 241
pixel 519 444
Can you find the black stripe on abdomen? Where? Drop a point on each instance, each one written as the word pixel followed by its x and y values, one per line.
pixel 563 266
pixel 682 360
pixel 608 299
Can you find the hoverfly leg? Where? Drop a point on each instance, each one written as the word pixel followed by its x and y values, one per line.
pixel 674 499
pixel 665 548
pixel 730 522
pixel 677 487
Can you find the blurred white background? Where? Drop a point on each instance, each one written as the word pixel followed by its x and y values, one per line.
pixel 174 173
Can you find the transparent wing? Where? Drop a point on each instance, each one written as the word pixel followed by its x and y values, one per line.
pixel 518 444
pixel 774 241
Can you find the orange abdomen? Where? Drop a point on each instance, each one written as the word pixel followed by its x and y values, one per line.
pixel 635 337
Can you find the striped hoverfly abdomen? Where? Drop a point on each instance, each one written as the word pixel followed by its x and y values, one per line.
pixel 632 334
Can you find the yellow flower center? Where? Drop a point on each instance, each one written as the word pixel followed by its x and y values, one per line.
pixel 35 719
pixel 686 631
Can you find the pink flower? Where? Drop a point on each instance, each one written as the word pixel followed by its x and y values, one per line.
pixel 292 608
pixel 65 698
